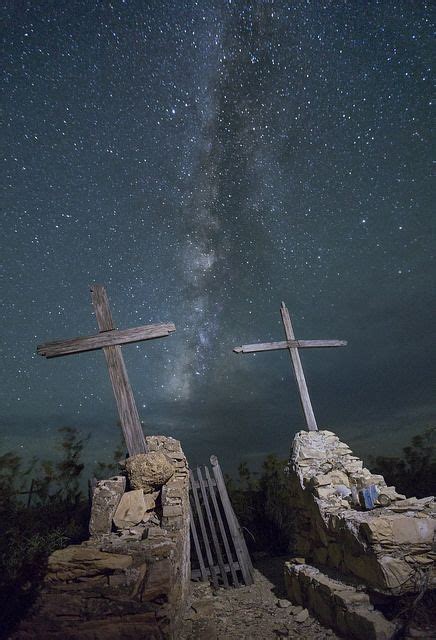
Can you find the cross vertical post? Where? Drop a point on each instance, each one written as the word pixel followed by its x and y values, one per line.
pixel 298 369
pixel 128 412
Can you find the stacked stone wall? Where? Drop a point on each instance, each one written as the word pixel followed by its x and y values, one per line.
pixel 387 550
pixel 128 581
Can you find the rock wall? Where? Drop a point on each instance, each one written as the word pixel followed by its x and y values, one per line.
pixel 389 548
pixel 337 605
pixel 131 578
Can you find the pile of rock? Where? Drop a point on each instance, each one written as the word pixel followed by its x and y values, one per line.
pixel 389 548
pixel 131 578
pixel 132 512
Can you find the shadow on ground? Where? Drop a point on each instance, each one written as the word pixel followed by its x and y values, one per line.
pixel 272 567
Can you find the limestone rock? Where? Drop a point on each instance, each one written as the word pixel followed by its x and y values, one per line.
pixel 150 500
pixel 399 530
pixel 397 573
pixel 377 546
pixel 284 604
pixel 106 497
pixel 149 470
pixel 302 616
pixel 77 561
pixel 391 493
pixel 295 609
pixel 336 604
pixel 153 533
pixel 335 477
pixel 324 492
pixel 383 500
pixel 131 509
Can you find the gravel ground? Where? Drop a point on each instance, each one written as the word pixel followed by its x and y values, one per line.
pixel 263 612
pixel 258 612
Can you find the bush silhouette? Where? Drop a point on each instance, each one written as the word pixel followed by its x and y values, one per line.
pixel 32 527
pixel 413 474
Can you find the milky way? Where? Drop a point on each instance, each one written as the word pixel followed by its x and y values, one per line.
pixel 204 161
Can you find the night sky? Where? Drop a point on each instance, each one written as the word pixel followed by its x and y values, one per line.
pixel 205 161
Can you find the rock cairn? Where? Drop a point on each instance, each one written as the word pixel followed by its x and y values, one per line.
pixel 131 578
pixel 386 550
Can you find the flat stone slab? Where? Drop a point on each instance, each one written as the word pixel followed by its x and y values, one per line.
pixel 77 561
pixel 131 509
pixel 335 604
pixel 105 500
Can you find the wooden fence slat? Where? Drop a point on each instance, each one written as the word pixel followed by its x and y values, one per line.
pixel 231 564
pixel 196 572
pixel 204 533
pixel 213 490
pixel 202 571
pixel 212 528
pixel 234 528
pixel 196 484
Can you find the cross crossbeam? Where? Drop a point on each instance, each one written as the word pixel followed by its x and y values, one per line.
pixel 286 344
pixel 293 346
pixel 110 340
pixel 104 339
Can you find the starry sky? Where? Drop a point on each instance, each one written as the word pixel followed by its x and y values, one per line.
pixel 205 160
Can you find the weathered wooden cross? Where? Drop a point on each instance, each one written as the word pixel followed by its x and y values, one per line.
pixel 109 339
pixel 293 345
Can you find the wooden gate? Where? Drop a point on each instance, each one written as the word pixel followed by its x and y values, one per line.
pixel 220 550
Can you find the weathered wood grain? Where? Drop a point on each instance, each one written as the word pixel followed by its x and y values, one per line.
pixel 196 573
pixel 286 344
pixel 202 572
pixel 230 563
pixel 100 302
pixel 106 338
pixel 234 528
pixel 212 528
pixel 202 524
pixel 206 491
pixel 299 373
pixel 129 417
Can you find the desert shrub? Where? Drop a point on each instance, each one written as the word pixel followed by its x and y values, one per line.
pixel 56 516
pixel 413 473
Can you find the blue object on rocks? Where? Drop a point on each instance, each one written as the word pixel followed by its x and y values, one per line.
pixel 368 496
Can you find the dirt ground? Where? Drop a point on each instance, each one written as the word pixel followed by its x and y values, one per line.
pixel 258 612
pixel 263 612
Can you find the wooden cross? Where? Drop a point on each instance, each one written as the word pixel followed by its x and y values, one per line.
pixel 293 345
pixel 109 339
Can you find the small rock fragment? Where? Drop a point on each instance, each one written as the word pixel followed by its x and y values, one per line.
pixel 383 500
pixel 283 604
pixel 296 609
pixel 302 616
